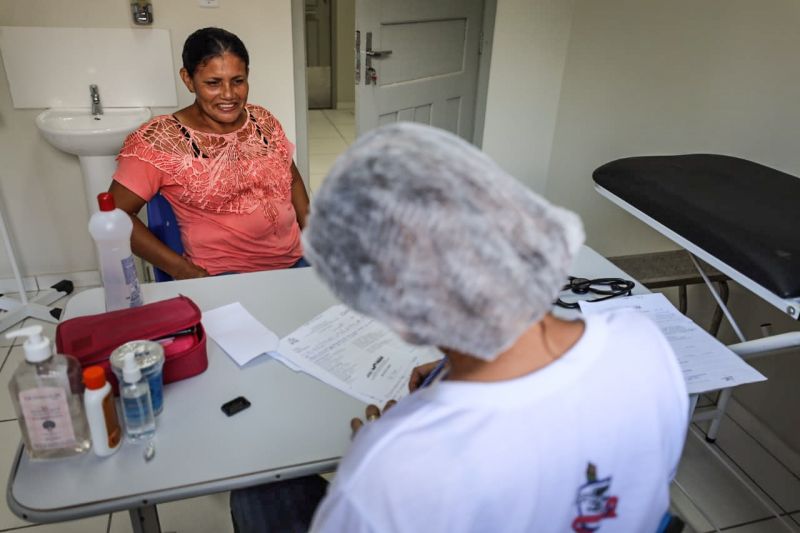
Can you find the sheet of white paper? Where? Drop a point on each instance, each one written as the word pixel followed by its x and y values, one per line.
pixel 285 360
pixel 355 354
pixel 238 333
pixel 707 364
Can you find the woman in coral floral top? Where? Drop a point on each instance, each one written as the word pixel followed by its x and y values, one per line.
pixel 224 165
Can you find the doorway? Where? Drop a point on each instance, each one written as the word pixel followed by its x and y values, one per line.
pixel 329 110
pixel 330 70
pixel 318 53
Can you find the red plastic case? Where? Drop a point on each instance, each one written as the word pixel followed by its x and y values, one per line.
pixel 91 339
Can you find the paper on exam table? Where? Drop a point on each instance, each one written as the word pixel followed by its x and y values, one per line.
pixel 707 364
pixel 355 354
pixel 238 333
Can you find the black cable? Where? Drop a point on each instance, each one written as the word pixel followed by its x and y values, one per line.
pixel 604 288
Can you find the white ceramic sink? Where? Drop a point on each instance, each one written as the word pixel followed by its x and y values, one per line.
pixel 76 131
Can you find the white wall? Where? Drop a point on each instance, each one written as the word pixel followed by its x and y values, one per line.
pixel 528 56
pixel 575 84
pixel 655 77
pixel 42 188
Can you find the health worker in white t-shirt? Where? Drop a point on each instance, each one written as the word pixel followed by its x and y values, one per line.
pixel 540 424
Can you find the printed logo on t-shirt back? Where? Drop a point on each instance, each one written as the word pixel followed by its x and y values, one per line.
pixel 593 504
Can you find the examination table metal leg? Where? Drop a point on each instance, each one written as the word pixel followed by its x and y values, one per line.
pixel 722 404
pixel 145 519
pixel 716 320
pixel 715 413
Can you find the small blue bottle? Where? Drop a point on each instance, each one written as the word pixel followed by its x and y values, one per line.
pixel 137 408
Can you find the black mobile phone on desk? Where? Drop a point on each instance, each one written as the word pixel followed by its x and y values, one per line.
pixel 234 406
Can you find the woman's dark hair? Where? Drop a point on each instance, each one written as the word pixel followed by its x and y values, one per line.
pixel 206 43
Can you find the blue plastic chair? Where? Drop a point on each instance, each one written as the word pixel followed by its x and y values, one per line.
pixel 162 223
pixel 670 524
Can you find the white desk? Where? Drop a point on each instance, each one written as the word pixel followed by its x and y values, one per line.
pixel 296 425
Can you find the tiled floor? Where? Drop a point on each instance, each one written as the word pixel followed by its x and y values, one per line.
pixel 735 485
pixel 330 132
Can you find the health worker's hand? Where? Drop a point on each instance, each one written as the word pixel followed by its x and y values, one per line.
pixel 372 413
pixel 419 374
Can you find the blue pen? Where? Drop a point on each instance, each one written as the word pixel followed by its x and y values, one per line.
pixel 435 372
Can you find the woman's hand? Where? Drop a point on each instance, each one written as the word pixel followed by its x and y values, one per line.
pixel 372 413
pixel 146 245
pixel 188 270
pixel 419 374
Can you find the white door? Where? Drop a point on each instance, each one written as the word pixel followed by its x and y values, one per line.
pixel 417 60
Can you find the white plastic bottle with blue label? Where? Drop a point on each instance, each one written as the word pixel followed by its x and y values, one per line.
pixel 111 230
pixel 137 408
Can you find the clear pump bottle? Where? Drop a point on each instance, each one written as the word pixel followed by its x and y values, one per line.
pixel 46 390
pixel 137 408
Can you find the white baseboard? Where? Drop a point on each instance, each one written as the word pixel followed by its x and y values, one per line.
pixel 89 278
pixel 9 285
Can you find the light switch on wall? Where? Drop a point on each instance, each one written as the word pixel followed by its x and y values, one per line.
pixel 208 3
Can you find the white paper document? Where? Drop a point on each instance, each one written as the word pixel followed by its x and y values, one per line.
pixel 355 354
pixel 238 333
pixel 707 364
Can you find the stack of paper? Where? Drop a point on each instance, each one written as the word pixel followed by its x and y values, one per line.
pixel 340 347
pixel 355 354
pixel 707 364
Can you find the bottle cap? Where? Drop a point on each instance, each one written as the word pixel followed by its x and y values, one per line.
pixel 130 371
pixel 37 346
pixel 106 201
pixel 94 377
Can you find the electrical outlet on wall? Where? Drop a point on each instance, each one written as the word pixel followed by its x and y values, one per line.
pixel 208 3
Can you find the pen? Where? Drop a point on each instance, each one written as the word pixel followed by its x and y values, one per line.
pixel 167 339
pixel 434 373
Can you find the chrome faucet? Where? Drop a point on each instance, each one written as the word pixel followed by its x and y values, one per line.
pixel 97 107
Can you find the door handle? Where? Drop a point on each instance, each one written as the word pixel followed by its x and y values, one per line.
pixel 370 53
pixel 378 54
pixel 370 74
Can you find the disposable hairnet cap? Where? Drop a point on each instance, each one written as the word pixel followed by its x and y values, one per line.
pixel 423 232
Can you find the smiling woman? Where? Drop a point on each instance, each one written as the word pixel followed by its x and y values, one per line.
pixel 224 165
pixel 219 82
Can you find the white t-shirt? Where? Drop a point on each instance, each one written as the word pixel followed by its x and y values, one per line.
pixel 588 443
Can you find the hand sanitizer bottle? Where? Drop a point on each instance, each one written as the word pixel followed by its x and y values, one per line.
pixel 111 230
pixel 137 408
pixel 46 391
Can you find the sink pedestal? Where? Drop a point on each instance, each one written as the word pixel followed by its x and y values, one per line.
pixel 97 171
pixel 96 140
